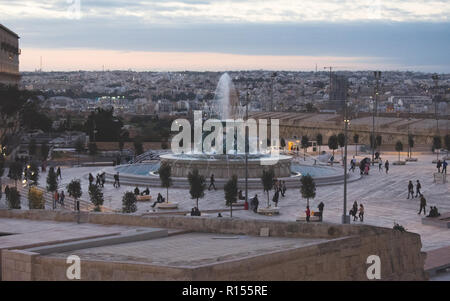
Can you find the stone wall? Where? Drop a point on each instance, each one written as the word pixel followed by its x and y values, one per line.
pixel 342 257
pixel 339 259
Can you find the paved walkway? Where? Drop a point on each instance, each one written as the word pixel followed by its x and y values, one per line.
pixel 383 196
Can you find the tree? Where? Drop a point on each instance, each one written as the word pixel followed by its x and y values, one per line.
pixel 138 147
pixel 13 198
pixel 52 180
pixel 106 125
pixel 96 196
pixel 319 139
pixel 2 170
pixel 32 147
pixel 308 188
pixel 447 143
pixel 197 185
pixel 410 144
pixel 92 147
pixel 44 151
pixel 373 142
pixel 379 140
pixel 356 141
pixel 165 173
pixel 267 182
pixel 74 190
pixel 282 143
pixel 231 191
pixel 437 145
pixel 129 202
pixel 33 173
pixel 333 143
pixel 341 143
pixel 305 144
pixel 121 144
pixel 79 148
pixel 399 148
pixel 36 198
pixel 15 171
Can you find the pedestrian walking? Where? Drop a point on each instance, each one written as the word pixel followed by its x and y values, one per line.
pixel 91 179
pixel 58 173
pixel 386 166
pixel 116 180
pixel 62 197
pixel 276 197
pixel 418 187
pixel 423 204
pixel 308 214
pixel 380 165
pixel 212 181
pixel 438 166
pixel 410 189
pixel 361 212
pixel 7 193
pixel 354 211
pixel 55 199
pixel 283 189
pixel 444 167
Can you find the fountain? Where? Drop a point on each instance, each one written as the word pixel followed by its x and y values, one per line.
pixel 226 105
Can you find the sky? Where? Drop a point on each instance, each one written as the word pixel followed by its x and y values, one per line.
pixel 231 34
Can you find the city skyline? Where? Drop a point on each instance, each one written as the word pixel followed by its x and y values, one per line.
pixel 230 35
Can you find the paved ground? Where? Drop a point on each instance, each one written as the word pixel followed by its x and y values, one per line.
pixel 192 249
pixel 31 233
pixel 383 196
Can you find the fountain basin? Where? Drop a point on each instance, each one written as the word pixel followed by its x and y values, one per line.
pixel 225 166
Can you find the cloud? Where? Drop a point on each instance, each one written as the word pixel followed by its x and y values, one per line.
pixel 246 11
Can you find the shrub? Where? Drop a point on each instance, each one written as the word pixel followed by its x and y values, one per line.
pixel 36 198
pixel 129 202
pixel 96 195
pixel 14 198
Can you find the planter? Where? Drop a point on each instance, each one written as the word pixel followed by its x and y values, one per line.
pixel 399 163
pixel 169 205
pixel 269 210
pixel 412 159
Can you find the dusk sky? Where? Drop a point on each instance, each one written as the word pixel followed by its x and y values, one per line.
pixel 231 35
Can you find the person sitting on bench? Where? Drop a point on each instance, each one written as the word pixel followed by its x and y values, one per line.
pixel 241 196
pixel 159 199
pixel 146 191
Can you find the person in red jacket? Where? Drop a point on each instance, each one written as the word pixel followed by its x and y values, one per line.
pixel 308 213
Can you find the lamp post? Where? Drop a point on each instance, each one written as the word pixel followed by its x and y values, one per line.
pixel 345 217
pixel 377 75
pixel 435 78
pixel 246 144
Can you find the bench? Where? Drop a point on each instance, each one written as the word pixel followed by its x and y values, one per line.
pixel 144 198
pixel 239 203
pixel 316 217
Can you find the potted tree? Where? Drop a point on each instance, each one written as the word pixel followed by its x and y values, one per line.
pixel 231 191
pixel 197 185
pixel 165 175
pixel 399 148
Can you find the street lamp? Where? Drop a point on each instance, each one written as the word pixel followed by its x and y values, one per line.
pixel 246 144
pixel 435 78
pixel 377 75
pixel 345 217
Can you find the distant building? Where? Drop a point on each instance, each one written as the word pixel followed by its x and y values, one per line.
pixel 9 57
pixel 338 94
